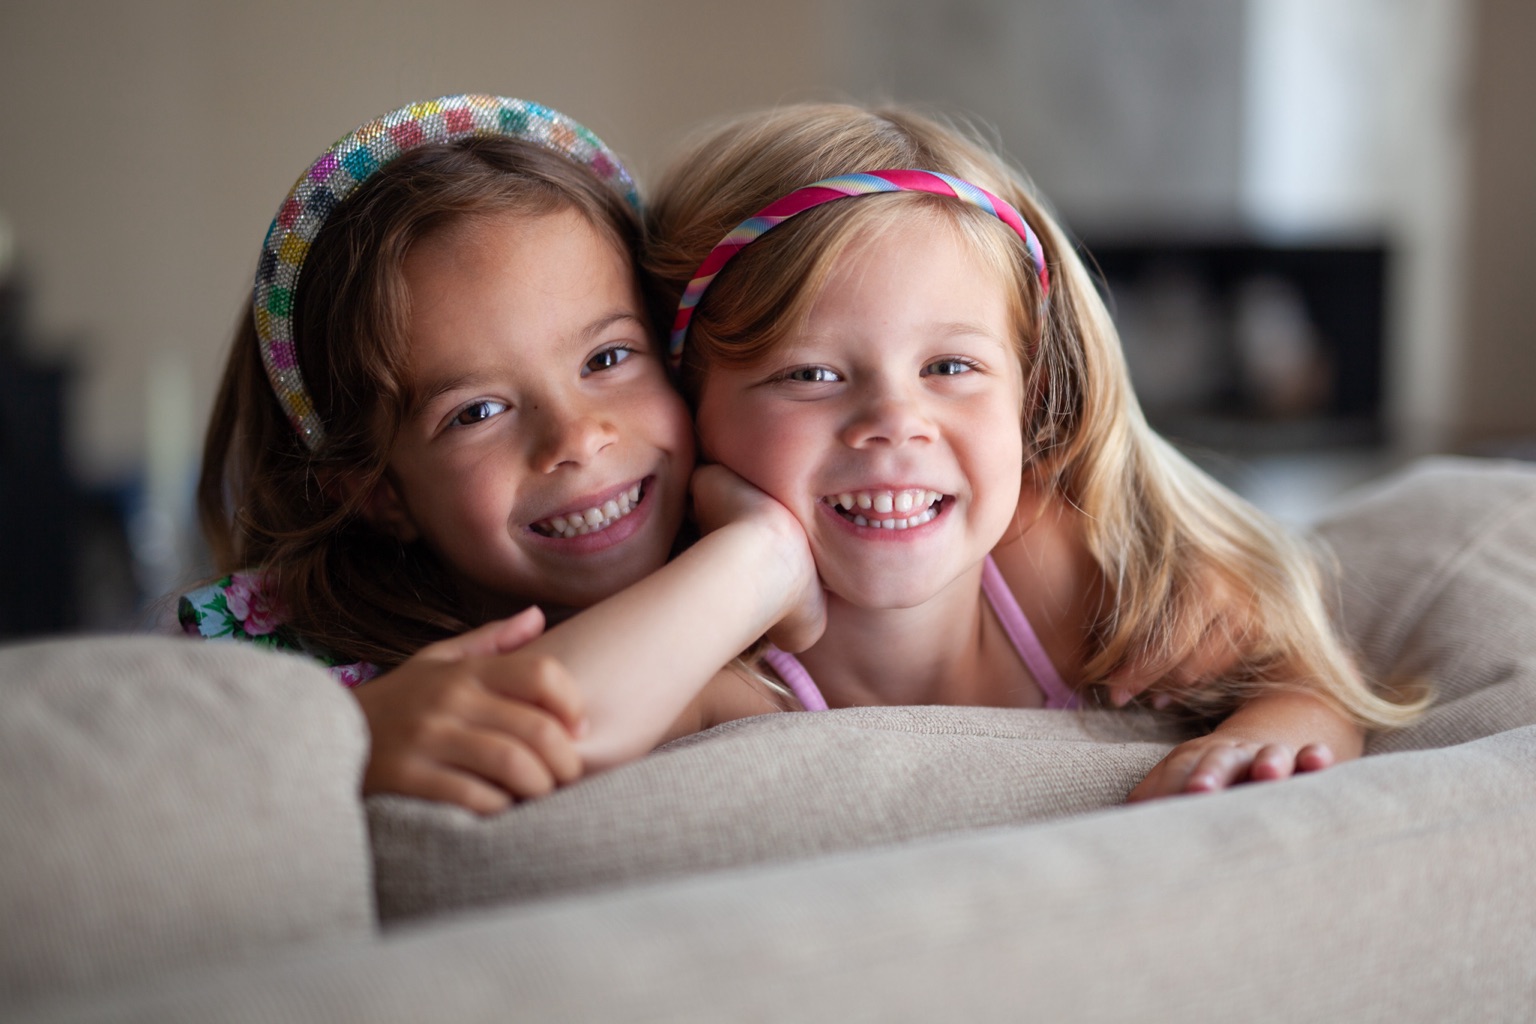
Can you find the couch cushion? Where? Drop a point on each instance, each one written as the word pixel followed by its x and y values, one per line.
pixel 1438 581
pixel 768 788
pixel 1393 888
pixel 171 803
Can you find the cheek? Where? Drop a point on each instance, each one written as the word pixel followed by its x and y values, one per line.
pixel 717 425
pixel 1002 458
pixel 737 435
pixel 667 420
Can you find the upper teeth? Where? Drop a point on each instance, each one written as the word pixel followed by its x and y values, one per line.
pixel 598 517
pixel 912 507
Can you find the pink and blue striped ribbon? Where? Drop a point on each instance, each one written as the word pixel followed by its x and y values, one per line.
pixel 845 186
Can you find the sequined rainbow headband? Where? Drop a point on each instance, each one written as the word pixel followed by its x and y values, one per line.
pixel 356 158
pixel 845 186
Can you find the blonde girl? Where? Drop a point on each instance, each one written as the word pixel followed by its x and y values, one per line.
pixel 864 350
pixel 445 411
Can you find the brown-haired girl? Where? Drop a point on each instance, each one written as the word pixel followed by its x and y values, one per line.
pixel 445 407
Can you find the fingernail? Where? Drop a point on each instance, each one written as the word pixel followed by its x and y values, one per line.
pixel 1162 702
pixel 1119 696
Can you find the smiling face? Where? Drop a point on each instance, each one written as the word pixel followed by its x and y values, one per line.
pixel 545 458
pixel 890 422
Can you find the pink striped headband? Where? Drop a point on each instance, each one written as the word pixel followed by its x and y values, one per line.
pixel 845 186
pixel 356 158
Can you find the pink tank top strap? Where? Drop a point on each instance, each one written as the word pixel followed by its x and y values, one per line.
pixel 796 678
pixel 1016 625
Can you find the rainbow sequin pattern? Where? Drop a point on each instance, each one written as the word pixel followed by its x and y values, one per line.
pixel 350 162
pixel 845 186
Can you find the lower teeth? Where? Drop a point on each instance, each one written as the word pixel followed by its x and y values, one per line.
pixel 582 529
pixel 922 517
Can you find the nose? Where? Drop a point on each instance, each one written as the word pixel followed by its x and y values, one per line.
pixel 570 434
pixel 887 414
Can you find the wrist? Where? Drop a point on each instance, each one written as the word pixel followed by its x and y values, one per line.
pixel 772 556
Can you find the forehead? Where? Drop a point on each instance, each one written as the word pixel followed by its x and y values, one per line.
pixel 513 258
pixel 499 285
pixel 925 265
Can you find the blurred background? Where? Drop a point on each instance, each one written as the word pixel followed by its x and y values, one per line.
pixel 1315 219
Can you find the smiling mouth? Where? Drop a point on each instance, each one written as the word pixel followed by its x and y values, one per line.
pixel 592 520
pixel 888 510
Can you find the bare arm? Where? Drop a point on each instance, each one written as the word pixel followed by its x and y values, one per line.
pixel 502 713
pixel 642 658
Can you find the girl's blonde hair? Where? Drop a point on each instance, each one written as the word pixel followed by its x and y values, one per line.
pixel 1165 536
pixel 266 500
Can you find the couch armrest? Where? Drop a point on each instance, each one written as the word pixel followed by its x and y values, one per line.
pixel 167 803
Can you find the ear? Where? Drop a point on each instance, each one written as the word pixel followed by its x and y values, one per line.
pixel 382 507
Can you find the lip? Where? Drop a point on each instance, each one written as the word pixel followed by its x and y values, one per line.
pixel 616 533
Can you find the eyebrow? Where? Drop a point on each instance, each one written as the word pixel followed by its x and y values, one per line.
pixel 950 327
pixel 433 390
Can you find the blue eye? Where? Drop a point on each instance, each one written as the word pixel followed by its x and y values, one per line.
pixel 478 412
pixel 607 359
pixel 948 367
pixel 811 375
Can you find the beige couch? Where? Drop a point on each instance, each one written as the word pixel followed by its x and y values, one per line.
pixel 180 840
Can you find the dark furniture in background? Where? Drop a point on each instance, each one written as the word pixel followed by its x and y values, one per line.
pixel 1202 320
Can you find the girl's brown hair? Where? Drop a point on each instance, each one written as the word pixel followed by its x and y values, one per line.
pixel 1164 535
pixel 265 500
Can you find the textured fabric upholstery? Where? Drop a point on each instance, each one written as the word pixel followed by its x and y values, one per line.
pixel 170 803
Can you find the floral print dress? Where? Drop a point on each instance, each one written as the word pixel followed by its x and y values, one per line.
pixel 242 607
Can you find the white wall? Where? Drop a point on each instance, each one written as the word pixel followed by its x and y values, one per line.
pixel 1497 400
pixel 1128 114
pixel 147 144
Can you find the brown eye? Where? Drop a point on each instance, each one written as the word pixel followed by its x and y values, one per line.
pixel 607 359
pixel 478 412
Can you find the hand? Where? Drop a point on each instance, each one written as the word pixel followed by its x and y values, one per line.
pixel 1272 736
pixel 466 721
pixel 1215 762
pixel 721 498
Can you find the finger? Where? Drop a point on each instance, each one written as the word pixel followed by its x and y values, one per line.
pixel 426 779
pixel 499 637
pixel 543 681
pixel 1169 776
pixel 504 761
pixel 535 728
pixel 518 630
pixel 1151 787
pixel 1272 763
pixel 1314 757
pixel 1218 769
